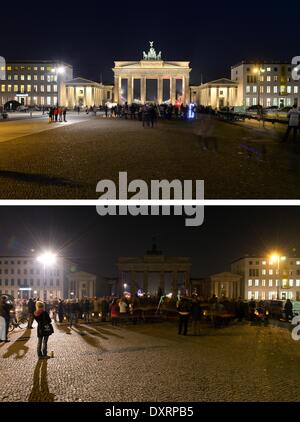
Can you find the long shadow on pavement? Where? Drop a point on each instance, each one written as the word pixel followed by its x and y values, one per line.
pixel 38 178
pixel 40 389
pixel 105 331
pixel 19 348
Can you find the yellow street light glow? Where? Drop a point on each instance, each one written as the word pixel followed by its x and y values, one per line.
pixel 47 258
pixel 255 70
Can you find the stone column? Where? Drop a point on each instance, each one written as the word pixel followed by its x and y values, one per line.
pixel 117 89
pixel 143 89
pixel 129 90
pixel 145 281
pixel 185 90
pixel 217 97
pixel 173 90
pixel 160 90
pixel 175 284
pixel 84 97
pixel 74 96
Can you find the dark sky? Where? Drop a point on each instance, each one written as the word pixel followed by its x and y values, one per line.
pixel 95 242
pixel 213 35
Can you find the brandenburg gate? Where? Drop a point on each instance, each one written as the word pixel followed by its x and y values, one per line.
pixel 170 80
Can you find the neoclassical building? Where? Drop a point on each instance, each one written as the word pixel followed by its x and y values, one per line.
pixel 151 79
pixel 83 92
pixel 216 94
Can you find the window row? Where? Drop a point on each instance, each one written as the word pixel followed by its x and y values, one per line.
pixel 30 68
pixel 271 283
pixel 31 282
pixel 271 295
pixel 28 88
pixel 48 78
pixel 268 102
pixel 273 89
pixel 28 271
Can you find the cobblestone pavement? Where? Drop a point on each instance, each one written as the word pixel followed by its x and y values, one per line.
pixel 152 363
pixel 68 162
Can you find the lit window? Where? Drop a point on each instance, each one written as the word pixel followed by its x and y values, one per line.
pixel 2 88
pixel 28 88
pixel 263 283
pixel 275 89
pixel 16 88
pixel 268 69
pixel 289 89
pixel 270 283
pixel 249 283
pixel 256 283
pixel 270 272
pixel 268 78
pixel 297 283
pixel 295 89
pixel 255 89
pixel 28 77
pixel 22 77
pixel 264 262
pixel 248 88
pixel 291 283
pixel 263 271
pixel 48 88
pixel 250 296
pixel 16 77
pixel 42 68
pixel 268 89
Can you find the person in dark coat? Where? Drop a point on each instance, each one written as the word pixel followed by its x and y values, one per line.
pixel 288 309
pixel 44 329
pixel 60 311
pixel 184 309
pixel 31 309
pixel 196 316
pixel 104 309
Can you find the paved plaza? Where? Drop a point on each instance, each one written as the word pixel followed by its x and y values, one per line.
pixel 151 362
pixel 66 162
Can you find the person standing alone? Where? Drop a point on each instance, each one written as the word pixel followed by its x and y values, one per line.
pixel 293 124
pixel 44 329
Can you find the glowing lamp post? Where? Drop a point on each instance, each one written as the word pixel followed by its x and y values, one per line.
pixel 47 259
pixel 276 258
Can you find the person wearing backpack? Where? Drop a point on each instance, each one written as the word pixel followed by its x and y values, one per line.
pixel 44 329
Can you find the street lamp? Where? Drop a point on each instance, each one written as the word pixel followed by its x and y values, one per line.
pixel 258 71
pixel 47 259
pixel 276 258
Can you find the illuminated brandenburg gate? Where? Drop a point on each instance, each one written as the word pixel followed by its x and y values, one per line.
pixel 151 80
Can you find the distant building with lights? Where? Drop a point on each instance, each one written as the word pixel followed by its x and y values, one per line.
pixel 266 279
pixel 48 83
pixel 24 276
pixel 153 273
pixel 268 84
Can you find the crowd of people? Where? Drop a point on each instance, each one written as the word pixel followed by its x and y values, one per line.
pixel 190 310
pixel 57 114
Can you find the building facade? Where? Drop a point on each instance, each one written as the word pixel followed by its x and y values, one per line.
pixel 266 278
pixel 81 284
pixel 49 83
pixel 85 93
pixel 24 277
pixel 215 94
pixel 267 84
pixel 154 272
pixel 151 80
pixel 35 83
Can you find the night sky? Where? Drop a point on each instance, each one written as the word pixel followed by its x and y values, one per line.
pixel 95 242
pixel 91 35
